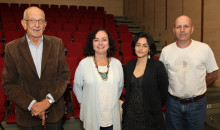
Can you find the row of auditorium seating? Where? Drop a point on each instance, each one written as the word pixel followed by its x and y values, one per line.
pixel 66 36
pixel 54 29
pixel 76 24
pixel 64 18
pixel 75 43
pixel 75 31
pixel 52 8
pixel 18 15
pixel 8 15
pixel 55 14
pixel 16 21
pixel 76 19
pixel 61 27
pixel 69 38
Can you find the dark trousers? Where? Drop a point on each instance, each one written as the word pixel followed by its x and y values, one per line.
pixel 107 128
pixel 49 126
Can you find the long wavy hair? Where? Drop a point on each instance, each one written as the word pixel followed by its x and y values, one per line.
pixel 88 49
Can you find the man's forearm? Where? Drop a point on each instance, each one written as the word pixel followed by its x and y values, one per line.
pixel 211 77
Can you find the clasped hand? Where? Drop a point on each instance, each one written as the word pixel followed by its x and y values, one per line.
pixel 39 109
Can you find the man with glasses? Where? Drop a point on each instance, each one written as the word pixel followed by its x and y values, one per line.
pixel 36 74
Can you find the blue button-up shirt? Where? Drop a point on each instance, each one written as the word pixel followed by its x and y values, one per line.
pixel 36 53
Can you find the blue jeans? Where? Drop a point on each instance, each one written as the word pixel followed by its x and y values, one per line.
pixel 188 116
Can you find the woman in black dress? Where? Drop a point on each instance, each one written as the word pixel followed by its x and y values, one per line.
pixel 146 84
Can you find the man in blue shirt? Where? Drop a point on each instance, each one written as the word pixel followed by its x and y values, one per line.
pixel 36 74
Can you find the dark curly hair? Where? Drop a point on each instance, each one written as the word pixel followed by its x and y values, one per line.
pixel 88 49
pixel 150 42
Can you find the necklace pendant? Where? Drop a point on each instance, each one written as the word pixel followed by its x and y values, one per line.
pixel 104 75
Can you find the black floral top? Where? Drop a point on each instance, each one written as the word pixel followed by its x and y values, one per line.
pixel 135 119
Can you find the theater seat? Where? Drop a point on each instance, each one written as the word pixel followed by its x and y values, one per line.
pixel 66 116
pixel 76 112
pixel 156 58
pixel 163 108
pixel 123 28
pixel 12 117
pixel 126 59
pixel 2 103
pixel 125 37
pixel 76 106
pixel 75 49
pixel 72 63
pixel 123 95
pixel 1 48
pixel 11 35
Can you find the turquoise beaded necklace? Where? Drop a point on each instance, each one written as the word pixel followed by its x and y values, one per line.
pixel 103 75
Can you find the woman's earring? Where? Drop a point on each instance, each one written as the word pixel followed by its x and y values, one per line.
pixel 149 55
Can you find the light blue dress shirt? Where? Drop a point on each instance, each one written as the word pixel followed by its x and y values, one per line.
pixel 36 53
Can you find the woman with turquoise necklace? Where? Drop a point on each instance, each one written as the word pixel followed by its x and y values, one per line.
pixel 98 83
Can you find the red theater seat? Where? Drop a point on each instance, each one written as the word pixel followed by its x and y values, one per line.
pixel 73 8
pixel 123 28
pixel 11 35
pixel 125 37
pixel 1 49
pixel 72 63
pixel 76 106
pixel 110 27
pixel 75 49
pixel 2 103
pixel 80 37
pixel 128 58
pixel 9 26
pixel 55 27
pixel 100 10
pixel 65 36
pixel 12 117
pixel 84 28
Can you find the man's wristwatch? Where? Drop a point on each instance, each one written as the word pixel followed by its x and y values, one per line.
pixel 49 100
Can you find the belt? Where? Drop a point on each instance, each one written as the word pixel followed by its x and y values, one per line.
pixel 188 100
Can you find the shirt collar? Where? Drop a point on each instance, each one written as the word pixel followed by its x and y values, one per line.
pixel 29 41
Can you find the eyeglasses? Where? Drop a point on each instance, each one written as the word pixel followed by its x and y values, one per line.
pixel 34 21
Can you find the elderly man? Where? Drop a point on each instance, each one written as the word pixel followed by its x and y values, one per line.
pixel 191 66
pixel 36 74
